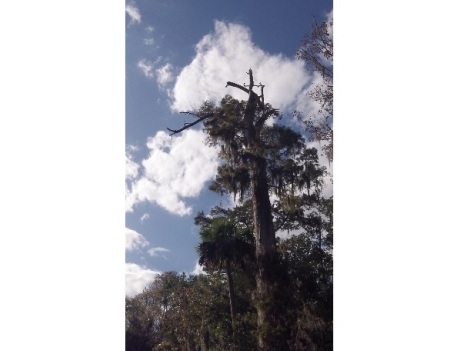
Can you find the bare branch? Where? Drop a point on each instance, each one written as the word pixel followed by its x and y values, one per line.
pixel 262 96
pixel 188 125
pixel 251 79
pixel 250 86
pixel 235 85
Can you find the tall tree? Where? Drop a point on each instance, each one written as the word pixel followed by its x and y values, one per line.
pixel 258 161
pixel 237 128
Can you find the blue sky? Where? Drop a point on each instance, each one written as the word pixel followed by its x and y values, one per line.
pixel 179 54
pixel 399 171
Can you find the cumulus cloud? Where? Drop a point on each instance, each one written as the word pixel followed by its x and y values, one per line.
pixel 134 13
pixel 137 278
pixel 156 251
pixel 164 75
pixel 176 168
pixel 134 240
pixel 227 54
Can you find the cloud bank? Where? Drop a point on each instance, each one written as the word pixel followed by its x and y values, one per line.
pixel 227 54
pixel 176 168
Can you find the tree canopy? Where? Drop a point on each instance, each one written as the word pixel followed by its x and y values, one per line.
pixel 268 260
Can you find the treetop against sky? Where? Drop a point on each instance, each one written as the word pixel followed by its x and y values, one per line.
pixel 178 55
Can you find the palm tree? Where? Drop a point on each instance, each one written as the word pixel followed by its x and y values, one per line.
pixel 223 245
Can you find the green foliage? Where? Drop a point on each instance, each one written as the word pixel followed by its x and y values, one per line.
pixel 259 291
pixel 222 242
pixel 310 268
pixel 177 312
pixel 224 239
pixel 225 245
pixel 220 309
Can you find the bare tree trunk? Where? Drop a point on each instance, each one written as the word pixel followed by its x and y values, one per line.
pixel 269 331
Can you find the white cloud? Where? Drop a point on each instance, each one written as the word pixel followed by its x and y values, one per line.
pixel 164 75
pixel 131 167
pixel 155 251
pixel 226 55
pixel 198 269
pixel 134 240
pixel 144 217
pixel 177 167
pixel 146 67
pixel 137 278
pixel 134 13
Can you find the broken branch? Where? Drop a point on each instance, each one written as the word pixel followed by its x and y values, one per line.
pixel 235 85
pixel 188 125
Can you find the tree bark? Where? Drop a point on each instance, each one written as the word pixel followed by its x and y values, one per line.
pixel 269 338
pixel 265 250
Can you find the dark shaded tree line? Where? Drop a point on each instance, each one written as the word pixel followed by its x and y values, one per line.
pixel 261 291
pixel 217 310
